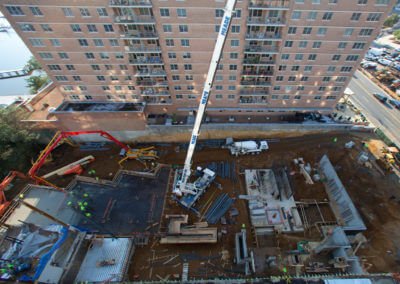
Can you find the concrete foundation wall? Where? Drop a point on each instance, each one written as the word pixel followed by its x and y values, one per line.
pixel 181 133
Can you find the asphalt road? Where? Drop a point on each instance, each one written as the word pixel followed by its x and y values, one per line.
pixel 384 116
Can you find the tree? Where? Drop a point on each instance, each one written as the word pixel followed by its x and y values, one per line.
pixel 33 63
pixel 391 20
pixel 397 34
pixel 18 142
pixel 34 83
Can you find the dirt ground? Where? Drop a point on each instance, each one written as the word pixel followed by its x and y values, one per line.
pixel 376 196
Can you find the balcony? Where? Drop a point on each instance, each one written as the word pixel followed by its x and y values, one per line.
pixel 260 49
pixel 146 60
pixel 157 94
pixel 138 35
pixel 269 4
pixel 257 61
pixel 134 19
pixel 252 93
pixel 263 36
pixel 157 101
pixel 151 83
pixel 130 3
pixel 255 83
pixel 244 100
pixel 151 73
pixel 142 49
pixel 265 21
pixel 258 73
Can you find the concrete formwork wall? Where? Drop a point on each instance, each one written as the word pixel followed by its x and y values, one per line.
pixel 181 133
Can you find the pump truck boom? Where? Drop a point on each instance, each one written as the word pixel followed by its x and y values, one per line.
pixel 183 186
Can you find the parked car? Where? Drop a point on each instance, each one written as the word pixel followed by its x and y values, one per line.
pixel 396 66
pixel 371 57
pixel 395 103
pixel 385 62
pixel 369 64
pixel 395 85
pixel 381 97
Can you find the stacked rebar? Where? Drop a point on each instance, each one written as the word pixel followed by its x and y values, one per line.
pixel 219 208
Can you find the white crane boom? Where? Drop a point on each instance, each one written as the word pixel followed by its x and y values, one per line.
pixel 226 20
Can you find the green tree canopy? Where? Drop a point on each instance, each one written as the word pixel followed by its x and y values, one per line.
pixel 34 83
pixel 397 34
pixel 391 20
pixel 33 63
pixel 18 142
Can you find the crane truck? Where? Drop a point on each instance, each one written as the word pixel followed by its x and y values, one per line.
pixel 182 186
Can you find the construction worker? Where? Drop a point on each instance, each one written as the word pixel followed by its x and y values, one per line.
pixel 83 208
pixel 85 195
pixel 243 225
pixel 69 203
pixel 21 195
pixel 88 215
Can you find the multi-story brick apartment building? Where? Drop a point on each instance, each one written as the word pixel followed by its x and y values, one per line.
pixel 115 59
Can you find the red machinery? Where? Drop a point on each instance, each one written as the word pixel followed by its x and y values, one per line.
pixel 53 143
pixel 3 185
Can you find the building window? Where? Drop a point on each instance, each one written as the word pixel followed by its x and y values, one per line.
pixel 316 2
pixel 185 42
pixel 177 88
pixel 46 27
pixel 109 97
pixel 346 69
pixel 164 12
pixel 84 12
pixel 83 88
pixel 322 31
pixel 289 43
pixel 232 88
pixel 234 42
pixel 336 57
pixel 321 89
pixel 300 88
pixel 237 13
pixel 173 67
pixel 218 87
pixel 89 55
pixel 316 44
pixel 277 88
pixel 70 67
pixel 312 57
pixel 175 77
pixel 317 97
pixel 381 2
pixel 108 66
pixel 191 96
pixel 113 78
pixel 179 97
pixel 167 28
pixel 75 28
pixel 74 97
pixel 92 28
pixel 355 17
pixel 352 58
pixel 307 30
pixel 292 78
pixel 95 67
pixel 131 88
pixel 55 42
pixel 36 11
pixel 181 12
pixel 233 55
pixel 295 68
pixel 36 42
pixel 331 68
pixel 296 15
pixel 285 56
pixel 15 11
pixel 311 16
pixel 67 12
pixel 77 78
pixel 100 78
pixel 365 32
pixel 232 77
pixel 171 55
pixel 186 55
pixel 54 67
pixel 26 27
pixel 187 66
pixel 292 30
pixel 118 88
pixel 190 87
pixel 279 78
pixel 332 2
pixel 287 89
pixel 304 79
pixel 331 97
pixel 362 2
pixel 232 67
pixel 342 45
pixel 326 79
pixel 274 97
pixel 327 16
pixel 102 12
pixel 105 88
pixel 68 88
pixel 183 28
pixel 297 97
pixel 217 28
pixel 235 29
pixel 88 97
pixel 348 32
pixel 358 45
pixel 298 56
pixel 113 42
pixel 169 42
pixel 219 13
pixel 45 55
pixel 307 68
pixel 61 78
pixel 282 68
pixel 341 79
pixel 108 28
pixel 374 17
pixel 98 42
pixel 303 44
pixel 104 55
pixel 231 96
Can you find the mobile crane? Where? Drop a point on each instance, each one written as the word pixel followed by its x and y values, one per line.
pixel 193 191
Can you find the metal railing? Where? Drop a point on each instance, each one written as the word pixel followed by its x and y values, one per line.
pixel 262 36
pixel 258 73
pixel 142 49
pixel 258 61
pixel 255 83
pixel 137 34
pixel 252 93
pixel 273 4
pixel 244 101
pixel 150 93
pixel 151 73
pixel 134 19
pixel 140 3
pixel 260 49
pixel 147 60
pixel 266 21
